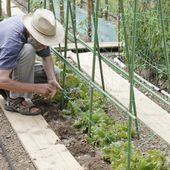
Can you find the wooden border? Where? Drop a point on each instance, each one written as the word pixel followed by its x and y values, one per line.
pixel 41 143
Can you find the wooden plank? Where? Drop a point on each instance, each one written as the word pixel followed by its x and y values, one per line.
pixel 102 45
pixel 155 117
pixel 44 147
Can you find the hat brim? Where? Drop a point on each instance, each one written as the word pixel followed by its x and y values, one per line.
pixel 44 39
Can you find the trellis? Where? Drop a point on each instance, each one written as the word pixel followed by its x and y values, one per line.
pixel 130 49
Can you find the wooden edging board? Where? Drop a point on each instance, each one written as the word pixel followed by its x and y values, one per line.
pixel 103 46
pixel 43 146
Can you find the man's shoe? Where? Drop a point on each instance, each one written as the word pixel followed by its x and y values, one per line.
pixel 21 106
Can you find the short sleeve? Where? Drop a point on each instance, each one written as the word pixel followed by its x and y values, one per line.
pixel 9 53
pixel 44 52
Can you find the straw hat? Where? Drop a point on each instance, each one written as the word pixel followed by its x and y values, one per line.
pixel 44 28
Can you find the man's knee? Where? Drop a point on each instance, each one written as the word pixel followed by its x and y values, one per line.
pixel 40 75
pixel 28 51
pixel 28 48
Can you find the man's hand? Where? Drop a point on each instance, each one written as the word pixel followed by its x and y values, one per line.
pixel 55 84
pixel 56 87
pixel 47 90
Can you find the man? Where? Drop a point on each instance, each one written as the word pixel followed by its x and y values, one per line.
pixel 21 38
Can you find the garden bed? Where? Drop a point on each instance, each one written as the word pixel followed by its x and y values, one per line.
pixel 76 142
pixel 71 125
pixel 72 138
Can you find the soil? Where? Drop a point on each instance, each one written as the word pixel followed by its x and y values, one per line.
pixel 14 151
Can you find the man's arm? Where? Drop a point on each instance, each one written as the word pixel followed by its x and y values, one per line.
pixel 49 69
pixel 8 84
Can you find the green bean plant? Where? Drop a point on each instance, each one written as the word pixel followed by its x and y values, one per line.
pixel 150 60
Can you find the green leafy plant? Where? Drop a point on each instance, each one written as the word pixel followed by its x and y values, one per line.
pixel 116 154
pixel 104 133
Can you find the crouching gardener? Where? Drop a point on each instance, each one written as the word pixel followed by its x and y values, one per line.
pixel 21 38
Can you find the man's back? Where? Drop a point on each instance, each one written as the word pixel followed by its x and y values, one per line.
pixel 13 36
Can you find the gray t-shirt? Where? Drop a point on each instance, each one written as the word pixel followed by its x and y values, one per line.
pixel 12 38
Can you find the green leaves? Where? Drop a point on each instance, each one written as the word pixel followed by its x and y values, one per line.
pixel 151 160
pixel 116 154
pixel 71 81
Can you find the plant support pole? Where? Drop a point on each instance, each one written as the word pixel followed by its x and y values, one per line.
pixel 52 6
pixel 74 33
pixel 93 69
pixel 65 51
pixel 0 9
pixel 98 48
pixel 29 5
pixel 45 4
pixel 132 104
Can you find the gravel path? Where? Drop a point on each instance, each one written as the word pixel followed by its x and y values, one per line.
pixel 3 161
pixel 17 155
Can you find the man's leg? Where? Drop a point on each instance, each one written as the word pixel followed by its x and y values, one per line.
pixel 24 72
pixel 29 71
pixel 40 75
